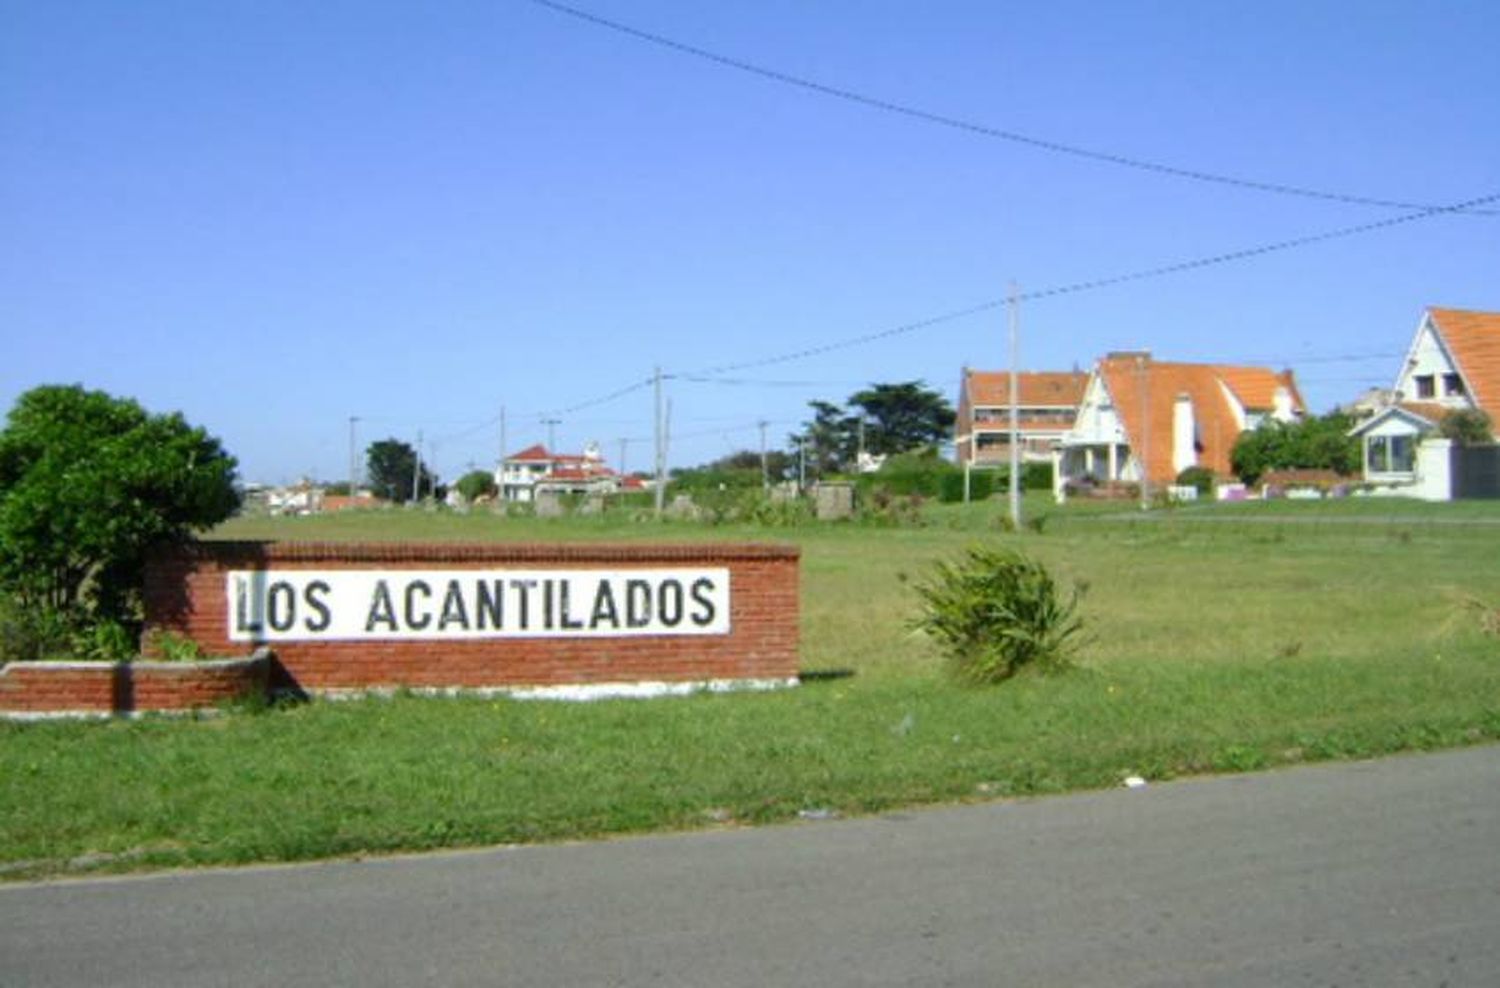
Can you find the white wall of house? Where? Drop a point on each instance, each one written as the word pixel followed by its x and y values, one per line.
pixel 1429 373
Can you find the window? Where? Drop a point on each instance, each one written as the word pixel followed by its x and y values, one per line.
pixel 1453 386
pixel 1426 386
pixel 1390 454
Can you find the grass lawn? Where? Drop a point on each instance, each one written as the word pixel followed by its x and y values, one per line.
pixel 1280 633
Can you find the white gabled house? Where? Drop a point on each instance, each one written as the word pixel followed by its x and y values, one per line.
pixel 1453 364
pixel 522 476
pixel 1144 419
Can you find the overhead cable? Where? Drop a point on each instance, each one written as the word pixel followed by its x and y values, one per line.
pixel 1097 283
pixel 968 126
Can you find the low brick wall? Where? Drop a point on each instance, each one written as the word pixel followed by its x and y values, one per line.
pixel 38 689
pixel 189 592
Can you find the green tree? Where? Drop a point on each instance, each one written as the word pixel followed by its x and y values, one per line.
pixel 390 465
pixel 1314 443
pixel 88 483
pixel 1467 427
pixel 902 417
pixel 476 484
pixel 830 440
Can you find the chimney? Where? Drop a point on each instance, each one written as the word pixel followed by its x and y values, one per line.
pixel 1184 434
pixel 1281 404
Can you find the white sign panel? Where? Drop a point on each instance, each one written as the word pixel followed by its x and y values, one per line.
pixel 332 605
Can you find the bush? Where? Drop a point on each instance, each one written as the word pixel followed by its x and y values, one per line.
pixel 981 486
pixel 88 482
pixel 1201 478
pixel 997 611
pixel 1467 427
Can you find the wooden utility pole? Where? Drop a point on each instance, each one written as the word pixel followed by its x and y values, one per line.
pixel 1015 416
pixel 661 447
pixel 416 470
pixel 765 474
pixel 353 457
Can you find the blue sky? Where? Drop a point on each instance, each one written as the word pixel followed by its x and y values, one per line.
pixel 275 216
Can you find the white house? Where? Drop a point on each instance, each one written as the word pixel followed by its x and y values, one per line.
pixel 1453 364
pixel 534 470
pixel 1145 419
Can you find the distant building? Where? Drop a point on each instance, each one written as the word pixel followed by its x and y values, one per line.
pixel 534 470
pixel 1453 364
pixel 1148 419
pixel 1047 404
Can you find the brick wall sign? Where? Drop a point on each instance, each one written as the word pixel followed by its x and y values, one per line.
pixel 568 619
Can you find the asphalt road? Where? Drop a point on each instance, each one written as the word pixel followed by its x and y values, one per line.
pixel 1377 873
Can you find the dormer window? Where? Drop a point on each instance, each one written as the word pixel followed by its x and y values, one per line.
pixel 1453 386
pixel 1426 386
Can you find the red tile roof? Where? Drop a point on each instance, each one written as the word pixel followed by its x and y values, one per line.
pixel 1033 388
pixel 1473 339
pixel 1145 393
pixel 537 453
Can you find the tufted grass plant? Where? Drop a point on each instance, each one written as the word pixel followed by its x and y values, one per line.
pixel 996 611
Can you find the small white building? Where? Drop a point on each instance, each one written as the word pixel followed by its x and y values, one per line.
pixel 1453 364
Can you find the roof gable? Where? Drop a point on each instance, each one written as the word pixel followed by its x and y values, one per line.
pixel 1472 339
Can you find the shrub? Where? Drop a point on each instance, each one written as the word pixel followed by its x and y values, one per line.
pixel 997 611
pixel 1467 427
pixel 88 482
pixel 951 486
pixel 1201 478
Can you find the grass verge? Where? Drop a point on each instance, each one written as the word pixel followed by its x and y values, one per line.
pixel 1212 648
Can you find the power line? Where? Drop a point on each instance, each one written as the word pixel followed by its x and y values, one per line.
pixel 1095 284
pixel 983 130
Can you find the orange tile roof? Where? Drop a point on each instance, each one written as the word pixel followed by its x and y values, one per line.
pixel 1145 394
pixel 1473 338
pixel 1256 386
pixel 1033 388
pixel 533 453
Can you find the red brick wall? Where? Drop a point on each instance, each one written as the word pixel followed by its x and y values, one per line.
pixel 186 594
pixel 105 687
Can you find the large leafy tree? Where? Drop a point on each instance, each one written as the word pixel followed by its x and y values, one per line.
pixel 1317 442
pixel 902 417
pixel 830 440
pixel 88 483
pixel 390 464
pixel 884 418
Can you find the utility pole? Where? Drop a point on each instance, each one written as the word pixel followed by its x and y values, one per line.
pixel 1015 416
pixel 551 435
pixel 765 473
pixel 801 465
pixel 624 444
pixel 353 457
pixel 416 470
pixel 661 447
pixel 504 445
pixel 1145 457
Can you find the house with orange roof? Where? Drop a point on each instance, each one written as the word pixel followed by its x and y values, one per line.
pixel 1452 364
pixel 1147 420
pixel 1046 404
pixel 534 470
